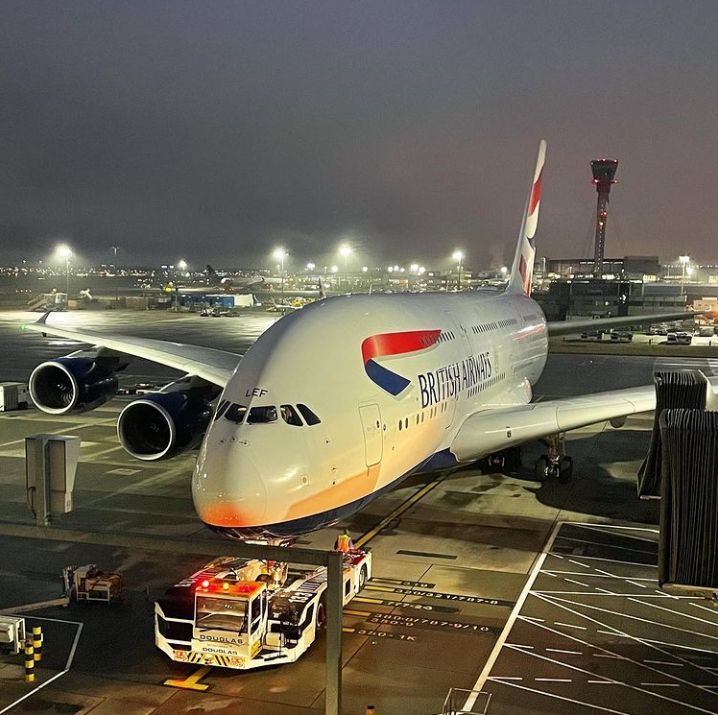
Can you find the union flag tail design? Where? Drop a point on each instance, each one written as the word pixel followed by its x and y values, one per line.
pixel 523 265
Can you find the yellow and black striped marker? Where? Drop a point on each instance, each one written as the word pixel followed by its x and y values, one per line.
pixel 37 642
pixel 29 662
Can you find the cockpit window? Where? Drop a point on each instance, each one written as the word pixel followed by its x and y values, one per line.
pixel 309 416
pixel 291 416
pixel 236 413
pixel 261 415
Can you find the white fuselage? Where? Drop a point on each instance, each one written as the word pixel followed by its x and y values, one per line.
pixel 391 379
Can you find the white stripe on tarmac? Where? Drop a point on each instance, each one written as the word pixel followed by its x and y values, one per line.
pixel 488 666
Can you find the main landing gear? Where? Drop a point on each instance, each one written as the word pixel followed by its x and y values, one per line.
pixel 505 460
pixel 555 464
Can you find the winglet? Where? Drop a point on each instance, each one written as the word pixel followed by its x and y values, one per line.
pixel 43 318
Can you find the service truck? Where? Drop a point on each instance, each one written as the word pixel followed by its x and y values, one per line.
pixel 243 614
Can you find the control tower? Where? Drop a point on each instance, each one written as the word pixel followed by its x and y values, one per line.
pixel 603 172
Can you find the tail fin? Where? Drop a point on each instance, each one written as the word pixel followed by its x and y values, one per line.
pixel 523 265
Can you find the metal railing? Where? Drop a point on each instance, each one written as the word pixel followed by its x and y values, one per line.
pixel 457 698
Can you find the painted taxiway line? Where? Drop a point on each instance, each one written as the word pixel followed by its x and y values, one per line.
pixel 501 640
pixel 404 506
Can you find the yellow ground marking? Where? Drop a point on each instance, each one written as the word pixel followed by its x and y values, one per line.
pixel 404 506
pixel 191 682
pixel 350 612
pixel 366 599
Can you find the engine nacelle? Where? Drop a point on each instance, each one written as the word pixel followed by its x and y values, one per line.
pixel 73 384
pixel 163 424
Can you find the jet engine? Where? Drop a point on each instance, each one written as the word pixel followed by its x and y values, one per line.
pixel 74 384
pixel 164 424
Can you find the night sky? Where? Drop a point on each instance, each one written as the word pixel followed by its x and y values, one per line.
pixel 214 131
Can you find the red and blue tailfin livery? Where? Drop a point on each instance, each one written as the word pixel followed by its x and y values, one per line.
pixel 390 345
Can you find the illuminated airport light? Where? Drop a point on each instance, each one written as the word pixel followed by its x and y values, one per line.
pixel 414 267
pixel 684 259
pixel 345 250
pixel 279 254
pixel 182 264
pixel 504 270
pixel 364 269
pixel 396 269
pixel 458 256
pixel 310 266
pixel 422 270
pixel 390 269
pixel 335 269
pixel 63 251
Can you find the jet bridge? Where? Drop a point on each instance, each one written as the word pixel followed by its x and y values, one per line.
pixel 688 544
pixel 674 390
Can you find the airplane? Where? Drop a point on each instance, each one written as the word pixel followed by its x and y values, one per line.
pixel 226 283
pixel 339 402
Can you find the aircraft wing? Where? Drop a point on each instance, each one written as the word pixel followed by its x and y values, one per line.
pixel 215 366
pixel 571 327
pixel 493 429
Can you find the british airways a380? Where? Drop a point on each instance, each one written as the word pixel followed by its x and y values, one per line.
pixel 339 402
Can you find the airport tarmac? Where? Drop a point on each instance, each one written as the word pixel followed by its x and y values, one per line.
pixel 475 574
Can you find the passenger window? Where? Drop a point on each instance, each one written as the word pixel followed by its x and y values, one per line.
pixel 290 416
pixel 262 415
pixel 309 417
pixel 236 413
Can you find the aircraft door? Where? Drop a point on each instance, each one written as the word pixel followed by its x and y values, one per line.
pixel 373 434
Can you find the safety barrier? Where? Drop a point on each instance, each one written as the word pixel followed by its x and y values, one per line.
pixel 37 642
pixel 674 389
pixel 29 661
pixel 688 543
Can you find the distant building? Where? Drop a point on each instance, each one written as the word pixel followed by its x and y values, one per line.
pixel 646 268
pixel 593 298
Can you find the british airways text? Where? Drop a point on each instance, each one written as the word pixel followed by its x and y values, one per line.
pixel 448 381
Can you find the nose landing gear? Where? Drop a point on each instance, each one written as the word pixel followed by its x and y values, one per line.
pixel 555 464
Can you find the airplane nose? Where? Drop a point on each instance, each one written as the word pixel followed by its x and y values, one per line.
pixel 227 487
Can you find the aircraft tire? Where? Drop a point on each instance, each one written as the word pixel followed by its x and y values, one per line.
pixel 541 468
pixel 565 470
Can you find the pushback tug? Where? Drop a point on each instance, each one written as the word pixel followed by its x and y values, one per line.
pixel 244 614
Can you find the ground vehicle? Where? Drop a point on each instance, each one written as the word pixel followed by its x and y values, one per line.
pixel 621 336
pixel 244 614
pixel 681 338
pixel 88 583
pixel 592 336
